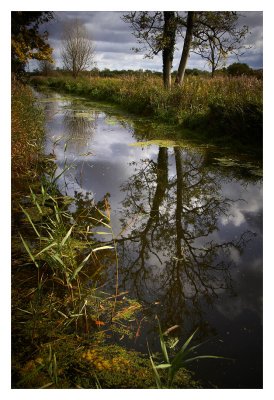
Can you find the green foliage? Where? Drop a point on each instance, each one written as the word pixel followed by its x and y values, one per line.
pixel 59 328
pixel 60 318
pixel 184 356
pixel 217 35
pixel 26 40
pixel 237 69
pixel 58 243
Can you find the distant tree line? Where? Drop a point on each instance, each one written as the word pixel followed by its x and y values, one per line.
pixel 235 69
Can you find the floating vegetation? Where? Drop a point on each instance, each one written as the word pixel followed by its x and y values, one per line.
pixel 229 162
pixel 89 153
pixel 53 99
pixel 110 121
pixel 102 361
pixel 160 143
pixel 84 114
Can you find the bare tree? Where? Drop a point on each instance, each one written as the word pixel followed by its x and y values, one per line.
pixel 77 48
pixel 46 67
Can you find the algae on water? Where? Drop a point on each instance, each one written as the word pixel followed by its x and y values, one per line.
pixel 160 143
pixel 83 114
pixel 229 162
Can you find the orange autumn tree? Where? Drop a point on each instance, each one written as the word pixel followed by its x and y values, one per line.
pixel 27 42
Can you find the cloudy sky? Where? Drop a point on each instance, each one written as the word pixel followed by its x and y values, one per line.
pixel 113 41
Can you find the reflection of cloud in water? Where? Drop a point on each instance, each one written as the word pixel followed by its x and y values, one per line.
pixel 235 254
pixel 254 221
pixel 105 148
pixel 248 291
pixel 249 201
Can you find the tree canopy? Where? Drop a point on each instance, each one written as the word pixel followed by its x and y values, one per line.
pixel 237 69
pixel 27 42
pixel 212 35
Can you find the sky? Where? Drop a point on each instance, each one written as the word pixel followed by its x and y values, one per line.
pixel 114 41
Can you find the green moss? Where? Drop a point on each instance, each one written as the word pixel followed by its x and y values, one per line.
pixel 81 363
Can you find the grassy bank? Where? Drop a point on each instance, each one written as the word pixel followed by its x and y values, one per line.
pixel 65 326
pixel 26 136
pixel 223 108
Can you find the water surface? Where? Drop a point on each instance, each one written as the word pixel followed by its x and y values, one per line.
pixel 188 222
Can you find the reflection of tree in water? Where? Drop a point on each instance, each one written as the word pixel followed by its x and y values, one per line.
pixel 80 129
pixel 171 253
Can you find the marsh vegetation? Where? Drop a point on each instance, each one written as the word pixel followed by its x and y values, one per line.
pixel 224 110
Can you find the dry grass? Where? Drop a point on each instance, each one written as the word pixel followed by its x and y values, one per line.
pixel 26 131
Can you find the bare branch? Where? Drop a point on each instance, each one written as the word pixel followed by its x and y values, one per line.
pixel 77 48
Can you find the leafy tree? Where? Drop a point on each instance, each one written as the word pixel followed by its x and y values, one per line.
pixel 26 41
pixel 156 32
pixel 237 69
pixel 77 48
pixel 216 36
pixel 212 35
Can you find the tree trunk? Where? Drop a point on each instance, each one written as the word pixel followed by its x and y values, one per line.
pixel 186 49
pixel 212 60
pixel 179 201
pixel 169 36
pixel 167 65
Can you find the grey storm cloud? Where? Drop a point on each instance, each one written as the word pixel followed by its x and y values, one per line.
pixel 114 41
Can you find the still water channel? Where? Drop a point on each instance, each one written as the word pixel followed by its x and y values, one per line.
pixel 188 221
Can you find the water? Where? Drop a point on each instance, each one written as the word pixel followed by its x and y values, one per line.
pixel 188 221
